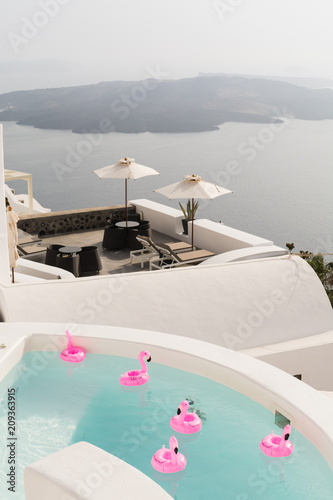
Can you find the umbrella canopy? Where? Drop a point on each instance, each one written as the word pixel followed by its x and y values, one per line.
pixel 125 169
pixel 192 187
pixel 12 235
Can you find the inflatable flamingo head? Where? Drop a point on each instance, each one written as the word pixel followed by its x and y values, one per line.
pixel 182 407
pixel 145 354
pixel 173 443
pixel 286 432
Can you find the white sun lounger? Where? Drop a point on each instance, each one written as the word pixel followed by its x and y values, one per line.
pixel 169 259
pixel 151 250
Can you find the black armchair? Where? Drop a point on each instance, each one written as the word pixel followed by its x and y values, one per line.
pixel 51 254
pixel 114 238
pixel 90 261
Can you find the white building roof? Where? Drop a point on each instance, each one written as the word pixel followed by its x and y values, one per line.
pixel 237 305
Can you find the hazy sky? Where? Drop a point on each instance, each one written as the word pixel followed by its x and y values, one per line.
pixel 46 43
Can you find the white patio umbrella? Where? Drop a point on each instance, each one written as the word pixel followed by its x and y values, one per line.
pixel 12 235
pixel 192 187
pixel 125 169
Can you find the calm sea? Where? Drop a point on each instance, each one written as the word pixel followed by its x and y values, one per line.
pixel 281 175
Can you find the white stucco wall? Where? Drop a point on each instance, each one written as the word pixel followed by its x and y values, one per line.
pixel 4 256
pixel 219 238
pixel 162 218
pixel 239 305
pixel 309 357
pixel 248 253
pixel 208 234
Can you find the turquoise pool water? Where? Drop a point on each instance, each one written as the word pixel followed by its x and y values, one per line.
pixel 58 404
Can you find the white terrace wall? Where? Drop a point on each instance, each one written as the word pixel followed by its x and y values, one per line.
pixel 166 220
pixel 219 238
pixel 210 235
pixel 310 358
pixel 239 305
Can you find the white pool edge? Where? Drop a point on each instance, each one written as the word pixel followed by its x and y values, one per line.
pixel 309 411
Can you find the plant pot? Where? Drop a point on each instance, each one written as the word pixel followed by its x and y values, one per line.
pixel 185 226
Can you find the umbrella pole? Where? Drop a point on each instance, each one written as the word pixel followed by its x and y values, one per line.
pixel 192 221
pixel 126 202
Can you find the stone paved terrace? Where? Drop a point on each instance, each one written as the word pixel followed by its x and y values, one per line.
pixel 113 261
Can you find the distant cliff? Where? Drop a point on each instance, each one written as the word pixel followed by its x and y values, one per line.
pixel 189 105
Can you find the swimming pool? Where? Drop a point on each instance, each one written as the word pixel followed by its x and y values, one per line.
pixel 59 404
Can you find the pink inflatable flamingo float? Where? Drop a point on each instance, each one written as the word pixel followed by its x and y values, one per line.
pixel 277 446
pixel 184 422
pixel 137 377
pixel 165 460
pixel 72 354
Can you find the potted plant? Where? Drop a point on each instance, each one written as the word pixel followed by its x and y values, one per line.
pixel 189 213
